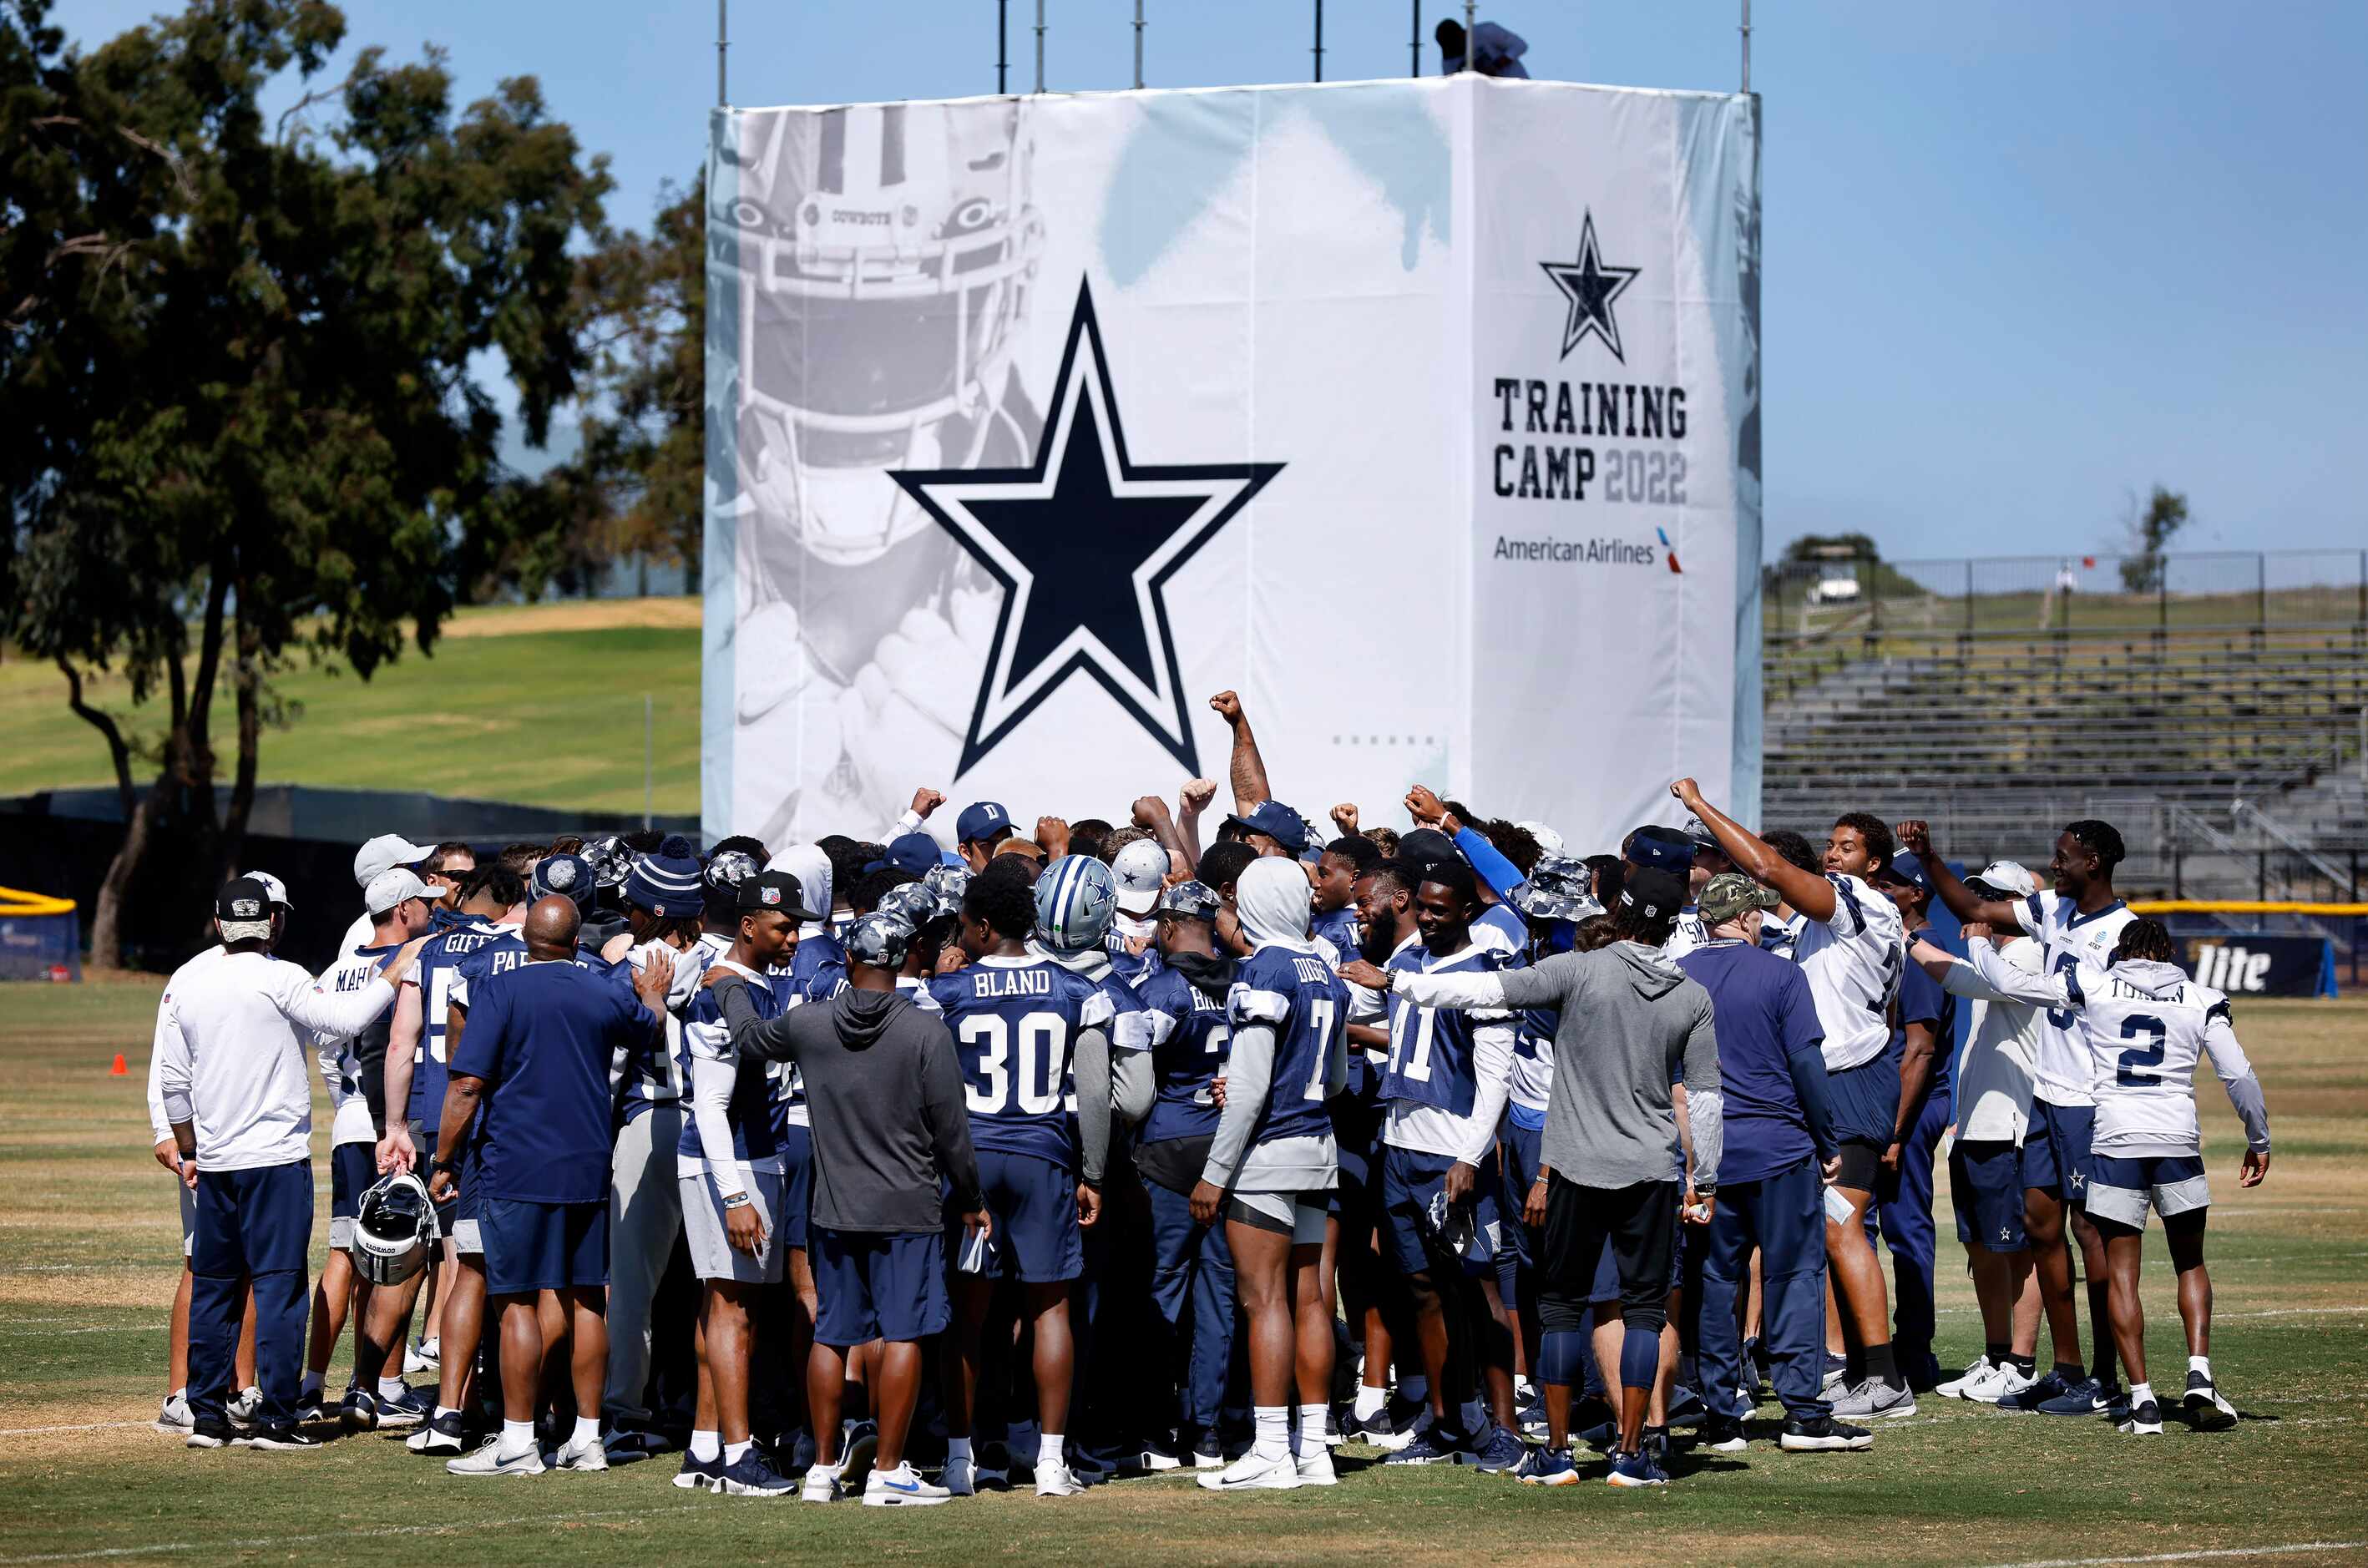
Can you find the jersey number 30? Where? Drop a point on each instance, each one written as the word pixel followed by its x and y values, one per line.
pixel 1038 1076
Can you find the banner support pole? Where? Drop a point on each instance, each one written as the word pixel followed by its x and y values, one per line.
pixel 723 43
pixel 1471 52
pixel 1747 47
pixel 1414 43
pixel 1318 51
pixel 1002 47
pixel 1039 45
pixel 1138 43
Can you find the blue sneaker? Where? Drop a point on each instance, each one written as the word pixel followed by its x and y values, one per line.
pixel 750 1476
pixel 2085 1397
pixel 700 1475
pixel 406 1410
pixel 1547 1467
pixel 2049 1387
pixel 1638 1468
pixel 1498 1451
pixel 1432 1446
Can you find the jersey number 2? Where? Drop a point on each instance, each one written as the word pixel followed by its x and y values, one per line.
pixel 2138 1025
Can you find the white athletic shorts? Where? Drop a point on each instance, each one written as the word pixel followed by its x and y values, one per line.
pixel 2120 1190
pixel 1299 1215
pixel 712 1255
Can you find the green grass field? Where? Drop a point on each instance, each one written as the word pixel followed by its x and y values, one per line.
pixel 542 705
pixel 90 1242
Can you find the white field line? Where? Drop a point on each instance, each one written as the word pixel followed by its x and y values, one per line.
pixel 2192 1556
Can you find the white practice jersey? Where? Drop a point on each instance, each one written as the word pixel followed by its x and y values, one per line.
pixel 339 1054
pixel 1853 963
pixel 1689 933
pixel 1993 1077
pixel 2069 937
pixel 2145 1026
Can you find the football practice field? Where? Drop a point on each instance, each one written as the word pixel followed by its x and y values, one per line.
pixel 90 1242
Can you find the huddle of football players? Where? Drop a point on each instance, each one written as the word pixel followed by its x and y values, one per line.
pixel 1229 1195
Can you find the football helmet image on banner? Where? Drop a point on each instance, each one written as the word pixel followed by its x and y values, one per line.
pixel 1035 421
pixel 394 1226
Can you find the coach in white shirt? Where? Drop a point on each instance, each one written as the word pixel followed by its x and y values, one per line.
pixel 233 1075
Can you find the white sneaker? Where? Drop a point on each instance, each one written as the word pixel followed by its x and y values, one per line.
pixel 240 1411
pixel 173 1417
pixel 901 1488
pixel 821 1484
pixel 488 1460
pixel 855 1449
pixel 1391 1442
pixel 1207 1458
pixel 958 1478
pixel 1155 1461
pixel 588 1456
pixel 1977 1374
pixel 1054 1479
pixel 1255 1472
pixel 422 1357
pixel 1314 1466
pixel 2003 1383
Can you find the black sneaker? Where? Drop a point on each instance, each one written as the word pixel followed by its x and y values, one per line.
pixel 283 1440
pixel 2144 1420
pixel 1722 1437
pixel 440 1436
pixel 2205 1409
pixel 202 1434
pixel 358 1411
pixel 1823 1435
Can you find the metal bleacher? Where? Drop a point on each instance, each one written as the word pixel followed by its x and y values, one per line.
pixel 2221 724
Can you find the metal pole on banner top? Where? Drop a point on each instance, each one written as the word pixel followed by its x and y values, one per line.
pixel 723 43
pixel 1318 51
pixel 1470 61
pixel 1747 48
pixel 1002 46
pixel 1039 45
pixel 1414 43
pixel 1138 43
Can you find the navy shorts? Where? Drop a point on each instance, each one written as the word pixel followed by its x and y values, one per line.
pixel 1865 1102
pixel 352 1168
pixel 1518 1151
pixel 1985 1189
pixel 1410 1180
pixel 1357 1142
pixel 543 1246
pixel 2121 1190
pixel 878 1285
pixel 1035 1206
pixel 2055 1150
pixel 797 1185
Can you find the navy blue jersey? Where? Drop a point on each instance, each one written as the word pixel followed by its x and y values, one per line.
pixel 817 968
pixel 1431 1060
pixel 1921 1001
pixel 1015 1022
pixel 1338 927
pixel 1307 1006
pixel 1191 1039
pixel 758 1111
pixel 1131 967
pixel 541 1036
pixel 434 973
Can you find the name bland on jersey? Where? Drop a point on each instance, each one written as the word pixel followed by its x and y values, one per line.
pixel 986 982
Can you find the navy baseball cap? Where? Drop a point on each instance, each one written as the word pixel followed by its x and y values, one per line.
pixel 1277 821
pixel 983 819
pixel 1660 848
pixel 1907 870
pixel 776 891
pixel 914 852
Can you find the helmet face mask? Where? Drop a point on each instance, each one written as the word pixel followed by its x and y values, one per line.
pixel 394 1227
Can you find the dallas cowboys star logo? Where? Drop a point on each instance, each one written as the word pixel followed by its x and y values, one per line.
pixel 1084 541
pixel 1590 287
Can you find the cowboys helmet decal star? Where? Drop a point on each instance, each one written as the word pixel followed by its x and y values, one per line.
pixel 1590 287
pixel 1084 541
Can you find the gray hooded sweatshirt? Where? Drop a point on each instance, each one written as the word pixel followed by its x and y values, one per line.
pixel 1632 1025
pixel 887 1098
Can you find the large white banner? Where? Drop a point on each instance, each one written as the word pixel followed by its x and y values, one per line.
pixel 1423 414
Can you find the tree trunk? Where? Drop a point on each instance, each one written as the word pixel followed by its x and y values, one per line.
pixel 106 934
pixel 247 681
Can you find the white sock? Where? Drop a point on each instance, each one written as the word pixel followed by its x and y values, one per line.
pixel 706 1446
pixel 957 1447
pixel 732 1452
pixel 1273 1431
pixel 444 1410
pixel 587 1433
pixel 517 1438
pixel 1474 1419
pixel 1417 1387
pixel 2194 1364
pixel 391 1388
pixel 1370 1400
pixel 1309 1438
pixel 1049 1448
pixel 310 1387
pixel 2140 1394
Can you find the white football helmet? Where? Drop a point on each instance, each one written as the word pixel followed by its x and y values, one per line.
pixel 881 258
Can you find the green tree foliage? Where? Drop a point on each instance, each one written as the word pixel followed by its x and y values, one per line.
pixel 2149 530
pixel 236 374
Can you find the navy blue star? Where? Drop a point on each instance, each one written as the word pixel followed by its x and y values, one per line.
pixel 1084 541
pixel 1590 287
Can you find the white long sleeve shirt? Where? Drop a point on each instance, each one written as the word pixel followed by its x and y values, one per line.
pixel 160 1126
pixel 1995 1075
pixel 235 1055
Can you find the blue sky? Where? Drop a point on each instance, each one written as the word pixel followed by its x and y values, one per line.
pixel 2022 256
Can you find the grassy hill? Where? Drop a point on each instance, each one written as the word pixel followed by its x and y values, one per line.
pixel 541 704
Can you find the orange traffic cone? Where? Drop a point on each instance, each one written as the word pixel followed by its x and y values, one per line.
pixel 119 1070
